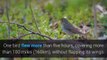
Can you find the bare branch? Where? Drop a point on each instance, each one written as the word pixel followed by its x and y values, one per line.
pixel 95 19
pixel 7 14
pixel 23 35
pixel 25 7
pixel 30 32
pixel 33 18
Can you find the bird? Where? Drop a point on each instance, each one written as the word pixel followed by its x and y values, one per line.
pixel 68 28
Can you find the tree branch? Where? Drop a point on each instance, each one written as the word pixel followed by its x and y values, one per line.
pixel 7 15
pixel 30 32
pixel 95 19
pixel 33 18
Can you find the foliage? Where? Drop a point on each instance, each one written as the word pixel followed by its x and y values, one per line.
pixel 77 11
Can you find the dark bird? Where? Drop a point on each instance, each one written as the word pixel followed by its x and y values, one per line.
pixel 68 28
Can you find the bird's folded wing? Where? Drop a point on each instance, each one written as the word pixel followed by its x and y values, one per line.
pixel 74 30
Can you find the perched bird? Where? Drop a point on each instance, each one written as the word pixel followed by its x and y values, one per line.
pixel 68 28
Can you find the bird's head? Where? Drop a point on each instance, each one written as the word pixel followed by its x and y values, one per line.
pixel 64 20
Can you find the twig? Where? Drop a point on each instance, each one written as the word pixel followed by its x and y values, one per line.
pixel 23 35
pixel 7 14
pixel 33 18
pixel 95 19
pixel 26 3
pixel 35 33
pixel 25 7
pixel 30 32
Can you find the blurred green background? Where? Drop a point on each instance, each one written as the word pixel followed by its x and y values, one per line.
pixel 33 13
pixel 38 14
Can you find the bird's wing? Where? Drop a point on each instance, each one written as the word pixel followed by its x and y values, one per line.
pixel 73 29
pixel 68 26
pixel 76 31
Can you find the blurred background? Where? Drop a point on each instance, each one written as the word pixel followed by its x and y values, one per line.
pixel 19 19
pixel 43 16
